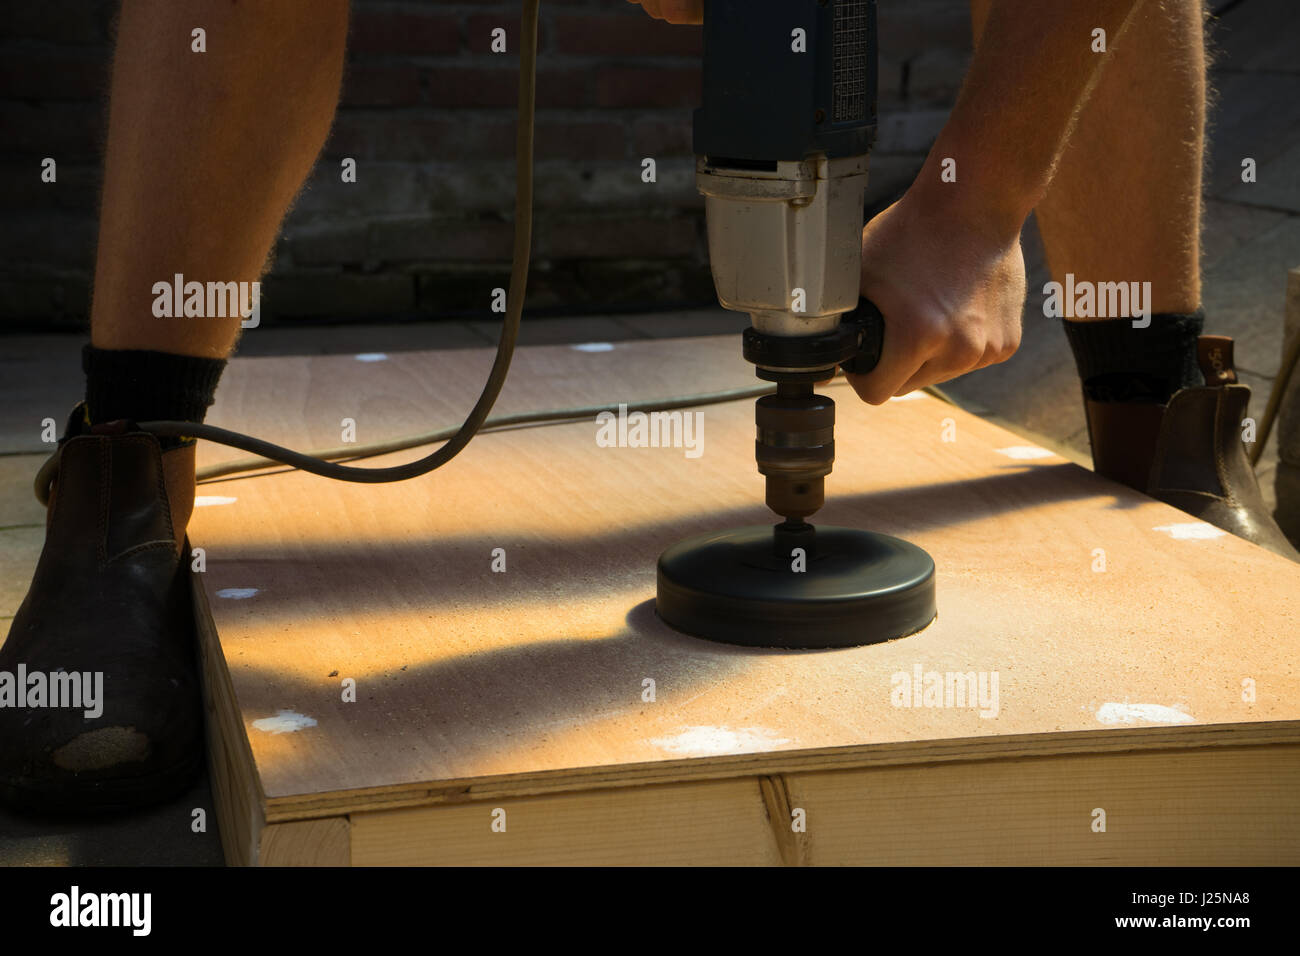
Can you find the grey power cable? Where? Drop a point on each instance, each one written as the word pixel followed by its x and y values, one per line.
pixel 216 472
pixel 548 416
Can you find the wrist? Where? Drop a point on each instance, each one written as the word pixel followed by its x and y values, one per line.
pixel 956 186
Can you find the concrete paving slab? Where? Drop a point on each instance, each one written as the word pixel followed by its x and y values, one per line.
pixel 1256 116
pixel 19 548
pixel 1260 36
pixel 40 377
pixel 561 331
pixel 1228 225
pixel 358 338
pixel 1245 293
pixel 1277 182
pixel 161 836
pixel 18 504
pixel 672 325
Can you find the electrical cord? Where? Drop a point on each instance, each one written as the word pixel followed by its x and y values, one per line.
pixel 544 417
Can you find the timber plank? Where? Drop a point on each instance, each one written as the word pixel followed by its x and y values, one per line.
pixel 1230 806
pixel 673 825
pixel 473 685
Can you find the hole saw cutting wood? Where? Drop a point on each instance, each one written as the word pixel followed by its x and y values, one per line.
pixel 1046 689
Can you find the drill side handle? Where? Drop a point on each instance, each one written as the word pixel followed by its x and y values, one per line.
pixel 870 327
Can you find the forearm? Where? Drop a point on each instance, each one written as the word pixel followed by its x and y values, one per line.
pixel 1032 71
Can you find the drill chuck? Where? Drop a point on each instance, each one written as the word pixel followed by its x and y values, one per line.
pixel 795 448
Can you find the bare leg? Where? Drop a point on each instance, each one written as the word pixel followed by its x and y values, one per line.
pixel 206 151
pixel 1124 205
pixel 1125 202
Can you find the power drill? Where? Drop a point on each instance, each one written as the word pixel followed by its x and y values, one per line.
pixel 781 143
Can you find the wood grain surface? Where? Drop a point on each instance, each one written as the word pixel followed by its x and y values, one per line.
pixel 473 685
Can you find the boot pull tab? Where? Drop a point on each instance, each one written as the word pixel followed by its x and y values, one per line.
pixel 1214 353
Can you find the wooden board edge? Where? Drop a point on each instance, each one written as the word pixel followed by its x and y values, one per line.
pixel 1228 806
pixel 326 841
pixel 669 824
pixel 1016 811
pixel 775 763
pixel 240 804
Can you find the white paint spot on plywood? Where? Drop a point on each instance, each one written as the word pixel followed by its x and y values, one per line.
pixel 593 347
pixel 237 594
pixel 1191 531
pixel 371 357
pixel 208 501
pixel 284 722
pixel 1147 713
pixel 699 741
pixel 1025 452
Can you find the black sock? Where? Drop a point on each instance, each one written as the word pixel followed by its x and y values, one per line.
pixel 1118 363
pixel 143 386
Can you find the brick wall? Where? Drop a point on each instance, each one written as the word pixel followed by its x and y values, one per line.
pixel 428 113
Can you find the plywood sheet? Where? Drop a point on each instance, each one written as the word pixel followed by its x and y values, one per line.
pixel 473 684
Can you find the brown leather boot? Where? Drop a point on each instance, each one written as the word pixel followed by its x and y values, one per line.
pixel 1189 453
pixel 109 604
